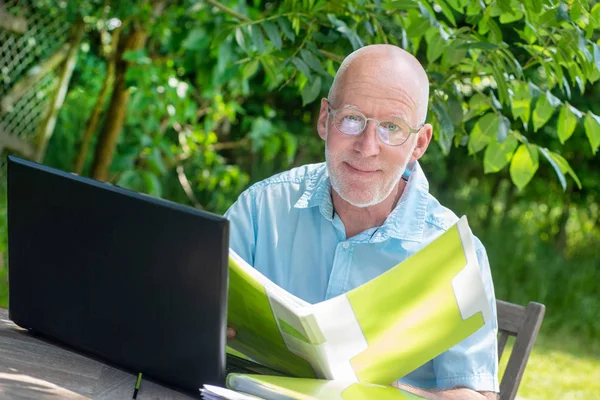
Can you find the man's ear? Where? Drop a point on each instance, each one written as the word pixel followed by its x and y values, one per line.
pixel 423 139
pixel 322 122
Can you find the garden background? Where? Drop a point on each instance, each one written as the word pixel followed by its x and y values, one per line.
pixel 193 101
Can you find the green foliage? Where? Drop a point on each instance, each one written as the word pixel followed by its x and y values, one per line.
pixel 524 164
pixel 517 61
pixel 498 155
pixel 592 130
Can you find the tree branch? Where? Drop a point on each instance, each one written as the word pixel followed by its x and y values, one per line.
pixel 94 119
pixel 187 188
pixel 331 56
pixel 228 10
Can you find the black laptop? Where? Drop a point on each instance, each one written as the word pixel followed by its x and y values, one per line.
pixel 137 281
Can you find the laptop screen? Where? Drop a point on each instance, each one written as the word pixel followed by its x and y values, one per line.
pixel 135 280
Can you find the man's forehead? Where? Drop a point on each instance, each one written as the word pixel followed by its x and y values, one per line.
pixel 396 113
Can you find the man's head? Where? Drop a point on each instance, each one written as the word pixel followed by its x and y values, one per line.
pixel 385 83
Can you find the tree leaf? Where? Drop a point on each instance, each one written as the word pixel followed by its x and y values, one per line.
pixel 553 100
pixel 498 155
pixel 502 85
pixel 156 163
pixel 418 26
pixel 350 34
pixel 250 69
pixel 534 5
pixel 196 39
pixel 478 103
pixel 483 133
pixel 503 128
pixel 542 113
pixel 455 109
pixel 302 67
pixel 312 61
pixel 447 11
pixel 240 39
pixel 508 17
pixel 446 129
pixel 557 169
pixel 495 31
pixel 566 87
pixel 453 55
pixel 456 5
pixel 286 27
pixel 595 15
pixel 524 165
pixel 369 27
pixel 153 185
pixel 592 130
pixel 565 167
pixel 435 45
pixel 311 90
pixel 504 6
pixel 257 38
pixel 273 34
pixel 567 121
pixel 131 179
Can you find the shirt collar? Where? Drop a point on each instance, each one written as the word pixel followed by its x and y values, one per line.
pixel 407 219
pixel 405 222
pixel 318 193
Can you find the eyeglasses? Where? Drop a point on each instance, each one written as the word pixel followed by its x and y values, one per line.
pixel 351 122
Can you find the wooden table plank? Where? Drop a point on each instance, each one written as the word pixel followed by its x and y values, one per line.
pixel 32 368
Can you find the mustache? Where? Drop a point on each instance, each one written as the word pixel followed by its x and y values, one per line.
pixel 360 163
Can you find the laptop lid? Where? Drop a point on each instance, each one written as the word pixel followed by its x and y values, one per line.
pixel 138 281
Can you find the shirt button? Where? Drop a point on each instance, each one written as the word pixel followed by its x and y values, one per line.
pixel 345 245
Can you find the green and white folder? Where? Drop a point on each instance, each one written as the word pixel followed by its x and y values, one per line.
pixel 376 333
pixel 284 388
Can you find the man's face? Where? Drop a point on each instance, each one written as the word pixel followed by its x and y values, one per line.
pixel 362 169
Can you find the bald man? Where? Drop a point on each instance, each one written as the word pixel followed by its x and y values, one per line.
pixel 321 230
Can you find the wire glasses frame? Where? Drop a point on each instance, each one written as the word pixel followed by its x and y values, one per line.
pixel 351 122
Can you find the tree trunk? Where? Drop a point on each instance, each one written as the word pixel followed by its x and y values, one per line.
pixel 117 109
pixel 94 119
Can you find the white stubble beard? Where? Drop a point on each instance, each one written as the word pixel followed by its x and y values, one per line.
pixel 343 187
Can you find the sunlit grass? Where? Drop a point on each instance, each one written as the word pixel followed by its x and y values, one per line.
pixel 561 368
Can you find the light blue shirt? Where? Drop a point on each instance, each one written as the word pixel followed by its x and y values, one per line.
pixel 286 227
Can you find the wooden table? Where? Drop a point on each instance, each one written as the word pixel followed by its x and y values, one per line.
pixel 33 368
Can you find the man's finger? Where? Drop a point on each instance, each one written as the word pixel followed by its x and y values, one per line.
pixel 230 333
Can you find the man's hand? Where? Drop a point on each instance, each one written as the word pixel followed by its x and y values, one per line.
pixel 230 334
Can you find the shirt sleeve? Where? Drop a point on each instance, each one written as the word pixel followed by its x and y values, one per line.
pixel 242 226
pixel 473 363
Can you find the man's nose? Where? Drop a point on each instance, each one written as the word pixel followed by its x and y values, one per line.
pixel 368 143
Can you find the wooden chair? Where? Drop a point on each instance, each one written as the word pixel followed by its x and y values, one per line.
pixel 523 323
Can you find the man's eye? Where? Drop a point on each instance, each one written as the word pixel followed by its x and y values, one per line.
pixel 352 118
pixel 390 126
